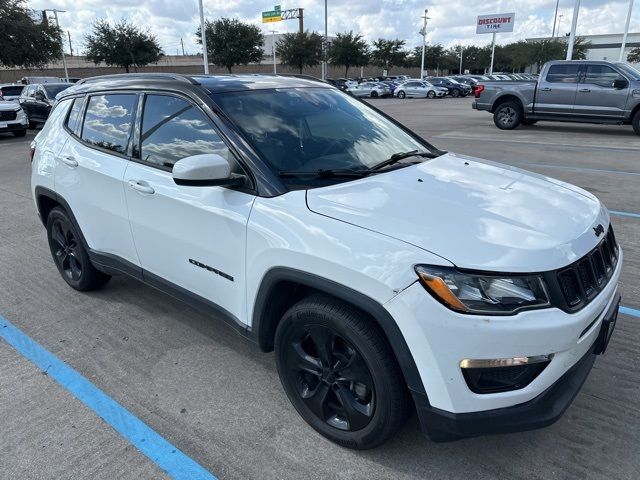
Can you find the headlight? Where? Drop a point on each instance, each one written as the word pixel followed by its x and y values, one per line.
pixel 483 293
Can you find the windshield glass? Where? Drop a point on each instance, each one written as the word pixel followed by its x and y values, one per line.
pixel 53 90
pixel 629 70
pixel 309 129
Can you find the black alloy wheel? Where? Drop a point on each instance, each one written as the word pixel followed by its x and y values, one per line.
pixel 455 93
pixel 374 94
pixel 69 254
pixel 339 372
pixel 507 116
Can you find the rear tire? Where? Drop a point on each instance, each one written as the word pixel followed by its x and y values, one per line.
pixel 69 254
pixel 636 122
pixel 455 93
pixel 507 115
pixel 402 94
pixel 20 133
pixel 374 94
pixel 339 372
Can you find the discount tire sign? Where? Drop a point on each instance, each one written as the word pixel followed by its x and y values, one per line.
pixel 497 23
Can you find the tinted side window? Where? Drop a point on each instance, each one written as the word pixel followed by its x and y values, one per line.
pixel 601 75
pixel 173 129
pixel 563 73
pixel 107 122
pixel 74 114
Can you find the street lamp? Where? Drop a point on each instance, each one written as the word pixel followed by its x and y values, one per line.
pixel 325 44
pixel 205 57
pixel 64 60
pixel 273 49
pixel 423 32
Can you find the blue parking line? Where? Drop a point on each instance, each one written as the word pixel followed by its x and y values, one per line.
pixel 167 457
pixel 624 214
pixel 578 169
pixel 630 311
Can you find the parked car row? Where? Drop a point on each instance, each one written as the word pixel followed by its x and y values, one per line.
pixel 12 118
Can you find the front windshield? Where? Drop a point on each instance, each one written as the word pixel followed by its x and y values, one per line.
pixel 53 90
pixel 453 80
pixel 310 129
pixel 629 70
pixel 427 84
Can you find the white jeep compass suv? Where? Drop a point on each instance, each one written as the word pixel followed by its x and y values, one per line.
pixel 385 273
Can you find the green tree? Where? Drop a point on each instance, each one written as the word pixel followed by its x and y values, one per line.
pixel 388 53
pixel 26 42
pixel 634 55
pixel 232 42
pixel 349 50
pixel 124 45
pixel 580 48
pixel 300 49
pixel 547 50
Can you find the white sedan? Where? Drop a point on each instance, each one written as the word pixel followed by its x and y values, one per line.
pixel 370 89
pixel 419 89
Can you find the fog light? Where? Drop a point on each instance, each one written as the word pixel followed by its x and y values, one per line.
pixel 502 374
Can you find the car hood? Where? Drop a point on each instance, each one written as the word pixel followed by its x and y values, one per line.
pixel 8 106
pixel 476 214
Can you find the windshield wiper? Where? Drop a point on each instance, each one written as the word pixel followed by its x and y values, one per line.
pixel 396 157
pixel 328 173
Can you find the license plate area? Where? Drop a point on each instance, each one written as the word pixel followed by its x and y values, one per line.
pixel 607 327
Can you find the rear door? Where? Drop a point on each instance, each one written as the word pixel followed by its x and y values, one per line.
pixel 556 93
pixel 90 168
pixel 596 95
pixel 27 100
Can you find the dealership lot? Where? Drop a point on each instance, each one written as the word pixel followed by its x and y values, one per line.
pixel 219 400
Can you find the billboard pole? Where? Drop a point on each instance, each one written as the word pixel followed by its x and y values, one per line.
pixel 626 32
pixel 493 52
pixel 572 35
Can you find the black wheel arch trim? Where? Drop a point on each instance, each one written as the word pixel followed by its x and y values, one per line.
pixel 263 327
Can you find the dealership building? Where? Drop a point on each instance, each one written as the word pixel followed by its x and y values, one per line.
pixel 606 46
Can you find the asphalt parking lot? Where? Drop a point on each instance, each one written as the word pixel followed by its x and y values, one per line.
pixel 218 399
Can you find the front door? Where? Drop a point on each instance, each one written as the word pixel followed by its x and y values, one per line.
pixel 556 93
pixel 597 96
pixel 192 237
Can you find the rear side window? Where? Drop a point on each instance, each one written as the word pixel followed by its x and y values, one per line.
pixel 601 75
pixel 12 91
pixel 74 114
pixel 563 73
pixel 173 129
pixel 107 122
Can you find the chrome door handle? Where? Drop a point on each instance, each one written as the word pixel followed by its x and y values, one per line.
pixel 545 89
pixel 584 90
pixel 69 161
pixel 138 186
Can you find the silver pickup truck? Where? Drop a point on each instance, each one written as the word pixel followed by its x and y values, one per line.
pixel 566 91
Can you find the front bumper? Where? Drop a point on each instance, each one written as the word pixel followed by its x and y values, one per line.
pixel 439 339
pixel 13 127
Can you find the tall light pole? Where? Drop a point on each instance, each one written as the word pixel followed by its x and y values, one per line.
pixel 64 60
pixel 423 32
pixel 205 57
pixel 572 35
pixel 555 18
pixel 493 51
pixel 325 44
pixel 273 49
pixel 461 52
pixel 626 31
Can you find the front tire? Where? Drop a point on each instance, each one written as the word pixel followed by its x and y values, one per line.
pixel 339 372
pixel 402 94
pixel 431 94
pixel 455 93
pixel 507 115
pixel 69 254
pixel 374 94
pixel 636 123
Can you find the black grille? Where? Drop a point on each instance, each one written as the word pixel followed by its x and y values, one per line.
pixel 4 116
pixel 582 280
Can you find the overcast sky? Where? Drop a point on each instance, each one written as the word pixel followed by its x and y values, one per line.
pixel 451 22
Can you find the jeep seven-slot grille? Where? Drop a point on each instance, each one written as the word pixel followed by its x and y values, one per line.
pixel 4 116
pixel 581 281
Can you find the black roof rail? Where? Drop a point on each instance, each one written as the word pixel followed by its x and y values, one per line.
pixel 150 75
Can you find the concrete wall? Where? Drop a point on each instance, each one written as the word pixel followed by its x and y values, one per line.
pixel 189 64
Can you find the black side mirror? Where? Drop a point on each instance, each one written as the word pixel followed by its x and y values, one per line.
pixel 40 96
pixel 620 83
